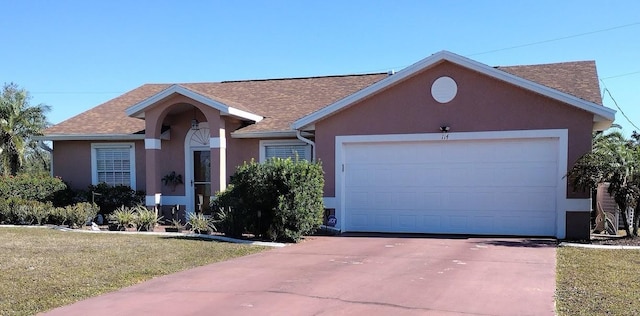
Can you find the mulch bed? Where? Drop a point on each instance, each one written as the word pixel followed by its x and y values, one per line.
pixel 616 241
pixel 610 240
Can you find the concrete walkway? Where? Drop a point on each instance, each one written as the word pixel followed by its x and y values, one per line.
pixel 354 276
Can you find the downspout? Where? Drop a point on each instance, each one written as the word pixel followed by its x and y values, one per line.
pixel 308 141
pixel 50 150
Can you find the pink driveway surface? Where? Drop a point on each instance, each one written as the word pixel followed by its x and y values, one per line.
pixel 354 276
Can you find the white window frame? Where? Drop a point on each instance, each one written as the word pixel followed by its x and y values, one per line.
pixel 132 160
pixel 283 142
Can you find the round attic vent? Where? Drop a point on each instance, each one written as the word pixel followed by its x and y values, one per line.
pixel 444 89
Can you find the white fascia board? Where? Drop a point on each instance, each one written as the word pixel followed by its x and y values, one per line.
pixel 137 110
pixel 277 134
pixel 244 114
pixel 600 112
pixel 91 137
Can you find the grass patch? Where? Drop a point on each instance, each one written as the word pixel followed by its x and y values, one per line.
pixel 597 281
pixel 43 268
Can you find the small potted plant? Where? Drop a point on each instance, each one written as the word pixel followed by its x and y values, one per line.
pixel 200 224
pixel 172 180
pixel 176 223
pixel 146 220
pixel 176 227
pixel 123 217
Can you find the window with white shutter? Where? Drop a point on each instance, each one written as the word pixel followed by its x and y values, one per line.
pixel 113 164
pixel 284 149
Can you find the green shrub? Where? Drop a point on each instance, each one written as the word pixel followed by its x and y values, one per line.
pixel 5 211
pixel 34 212
pixel 58 216
pixel 229 220
pixel 201 224
pixel 109 198
pixel 13 212
pixel 124 216
pixel 280 199
pixel 37 187
pixel 145 219
pixel 79 214
pixel 68 196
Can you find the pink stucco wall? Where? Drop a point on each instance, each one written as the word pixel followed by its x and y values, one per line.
pixel 239 150
pixel 72 159
pixel 72 162
pixel 482 104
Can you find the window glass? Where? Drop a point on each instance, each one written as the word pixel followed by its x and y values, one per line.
pixel 113 165
pixel 287 151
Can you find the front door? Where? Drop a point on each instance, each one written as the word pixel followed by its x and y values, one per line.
pixel 201 181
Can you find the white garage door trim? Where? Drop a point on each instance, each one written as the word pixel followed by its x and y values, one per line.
pixel 560 134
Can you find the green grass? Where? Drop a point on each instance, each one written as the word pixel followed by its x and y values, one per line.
pixel 41 269
pixel 598 281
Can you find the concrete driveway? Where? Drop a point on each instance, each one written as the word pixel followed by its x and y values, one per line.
pixel 389 275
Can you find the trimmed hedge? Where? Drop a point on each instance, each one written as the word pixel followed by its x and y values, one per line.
pixel 279 200
pixel 28 212
pixel 39 187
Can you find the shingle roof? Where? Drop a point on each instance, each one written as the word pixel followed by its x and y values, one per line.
pixel 282 101
pixel 577 78
pixel 108 117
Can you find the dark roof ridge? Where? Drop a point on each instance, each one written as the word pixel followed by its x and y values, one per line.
pixel 265 79
pixel 547 64
pixel 308 77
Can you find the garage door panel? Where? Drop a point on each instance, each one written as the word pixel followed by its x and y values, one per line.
pixel 478 187
pixel 408 222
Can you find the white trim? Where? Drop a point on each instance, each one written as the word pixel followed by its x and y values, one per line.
pixel 152 143
pixel 217 142
pixel 174 200
pixel 281 142
pixel 578 205
pixel 329 202
pixel 244 114
pixel 137 110
pixel 59 137
pixel 560 134
pixel 278 134
pixel 600 112
pixel 132 160
pixel 150 200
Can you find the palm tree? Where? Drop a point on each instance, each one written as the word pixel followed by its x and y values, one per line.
pixel 614 160
pixel 19 122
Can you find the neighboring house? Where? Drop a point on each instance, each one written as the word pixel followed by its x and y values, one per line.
pixel 447 145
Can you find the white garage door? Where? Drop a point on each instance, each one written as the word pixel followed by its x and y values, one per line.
pixel 502 187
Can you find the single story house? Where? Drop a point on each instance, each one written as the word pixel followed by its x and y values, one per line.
pixel 447 145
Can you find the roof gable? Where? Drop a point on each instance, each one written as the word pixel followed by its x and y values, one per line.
pixel 137 110
pixel 282 105
pixel 603 117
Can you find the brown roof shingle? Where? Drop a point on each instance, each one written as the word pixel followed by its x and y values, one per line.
pixel 108 117
pixel 282 101
pixel 577 78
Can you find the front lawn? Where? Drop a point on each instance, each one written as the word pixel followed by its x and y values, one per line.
pixel 597 281
pixel 44 268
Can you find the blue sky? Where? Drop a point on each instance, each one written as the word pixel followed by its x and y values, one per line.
pixel 74 55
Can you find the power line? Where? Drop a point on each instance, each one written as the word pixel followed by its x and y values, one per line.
pixel 617 106
pixel 536 43
pixel 622 75
pixel 75 92
pixel 557 39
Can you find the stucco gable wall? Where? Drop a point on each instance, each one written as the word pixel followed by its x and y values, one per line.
pixel 482 104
